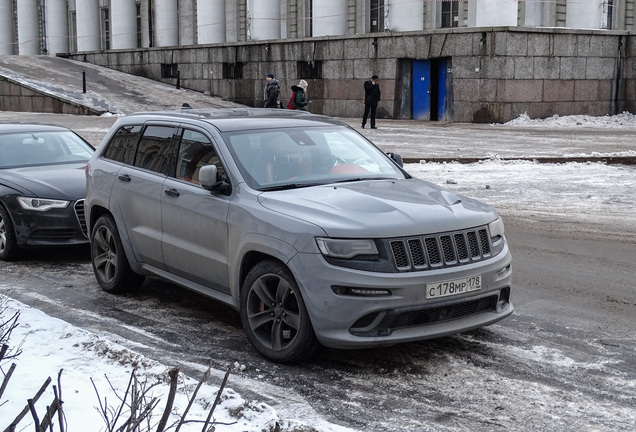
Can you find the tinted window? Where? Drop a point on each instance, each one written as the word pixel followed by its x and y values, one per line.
pixel 155 151
pixel 195 151
pixel 121 147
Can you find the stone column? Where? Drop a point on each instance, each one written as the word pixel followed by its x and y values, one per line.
pixel 211 21
pixel 584 14
pixel 492 13
pixel 7 41
pixel 406 15
pixel 56 17
pixel 87 16
pixel 166 23
pixel 265 19
pixel 28 28
pixel 123 18
pixel 329 17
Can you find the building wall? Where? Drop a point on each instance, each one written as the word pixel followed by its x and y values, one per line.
pixel 15 96
pixel 494 74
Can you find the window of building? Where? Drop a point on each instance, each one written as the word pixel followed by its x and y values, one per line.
pixel 138 25
pixel 377 16
pixel 450 14
pixel 105 14
pixel 309 25
pixel 73 33
pixel 309 70
pixel 232 70
pixel 608 9
pixel 169 70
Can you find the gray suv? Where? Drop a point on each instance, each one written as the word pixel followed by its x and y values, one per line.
pixel 297 221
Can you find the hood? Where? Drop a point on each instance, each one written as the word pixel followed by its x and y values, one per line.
pixel 380 208
pixel 64 181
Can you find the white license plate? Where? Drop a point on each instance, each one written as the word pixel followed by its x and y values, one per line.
pixel 453 287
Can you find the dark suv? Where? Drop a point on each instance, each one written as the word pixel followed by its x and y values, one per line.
pixel 299 222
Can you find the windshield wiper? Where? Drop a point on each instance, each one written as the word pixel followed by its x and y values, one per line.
pixel 359 179
pixel 287 186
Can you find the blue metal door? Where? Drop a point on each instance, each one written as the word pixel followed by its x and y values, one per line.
pixel 422 89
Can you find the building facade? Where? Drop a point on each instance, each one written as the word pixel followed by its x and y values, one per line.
pixel 456 60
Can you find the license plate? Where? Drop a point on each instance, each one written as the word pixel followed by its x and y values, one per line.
pixel 453 287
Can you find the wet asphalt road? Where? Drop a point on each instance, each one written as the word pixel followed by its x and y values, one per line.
pixel 566 359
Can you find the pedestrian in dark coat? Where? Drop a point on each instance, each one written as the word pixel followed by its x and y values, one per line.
pixel 271 94
pixel 371 99
pixel 300 100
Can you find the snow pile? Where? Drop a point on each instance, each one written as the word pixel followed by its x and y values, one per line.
pixel 625 119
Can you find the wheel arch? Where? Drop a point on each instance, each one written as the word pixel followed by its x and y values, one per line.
pixel 97 211
pixel 253 248
pixel 252 258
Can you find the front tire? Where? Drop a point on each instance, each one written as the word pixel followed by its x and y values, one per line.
pixel 110 265
pixel 8 243
pixel 274 315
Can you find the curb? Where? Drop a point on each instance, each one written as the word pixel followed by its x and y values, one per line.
pixel 610 160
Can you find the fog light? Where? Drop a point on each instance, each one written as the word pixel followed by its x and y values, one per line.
pixel 361 292
pixel 369 292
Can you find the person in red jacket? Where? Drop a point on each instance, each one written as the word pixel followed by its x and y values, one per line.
pixel 371 99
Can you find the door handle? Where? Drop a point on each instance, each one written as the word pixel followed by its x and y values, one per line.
pixel 124 177
pixel 171 192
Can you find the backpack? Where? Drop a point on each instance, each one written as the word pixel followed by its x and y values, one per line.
pixel 292 102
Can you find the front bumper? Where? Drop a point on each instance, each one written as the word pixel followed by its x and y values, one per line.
pixel 404 315
pixel 56 227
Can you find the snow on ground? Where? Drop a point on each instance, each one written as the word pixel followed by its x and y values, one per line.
pixel 586 192
pixel 92 364
pixel 582 191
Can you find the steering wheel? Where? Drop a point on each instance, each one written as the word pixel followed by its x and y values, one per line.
pixel 330 161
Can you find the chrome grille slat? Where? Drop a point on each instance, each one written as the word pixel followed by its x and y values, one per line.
pixel 81 216
pixel 441 250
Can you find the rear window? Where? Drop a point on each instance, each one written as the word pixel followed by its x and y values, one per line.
pixel 156 150
pixel 123 144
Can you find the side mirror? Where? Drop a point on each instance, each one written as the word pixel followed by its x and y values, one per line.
pixel 397 158
pixel 208 177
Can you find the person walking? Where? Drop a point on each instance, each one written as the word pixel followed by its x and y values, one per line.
pixel 299 97
pixel 371 99
pixel 271 94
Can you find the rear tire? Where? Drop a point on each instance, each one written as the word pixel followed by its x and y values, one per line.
pixel 8 243
pixel 110 264
pixel 274 315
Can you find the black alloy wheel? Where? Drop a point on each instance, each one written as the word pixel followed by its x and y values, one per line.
pixel 274 315
pixel 110 265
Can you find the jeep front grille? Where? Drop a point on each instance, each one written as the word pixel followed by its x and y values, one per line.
pixel 441 250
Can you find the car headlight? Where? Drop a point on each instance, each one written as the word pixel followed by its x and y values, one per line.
pixel 496 229
pixel 346 248
pixel 41 204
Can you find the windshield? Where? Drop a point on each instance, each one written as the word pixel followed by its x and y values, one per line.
pixel 296 157
pixel 42 148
